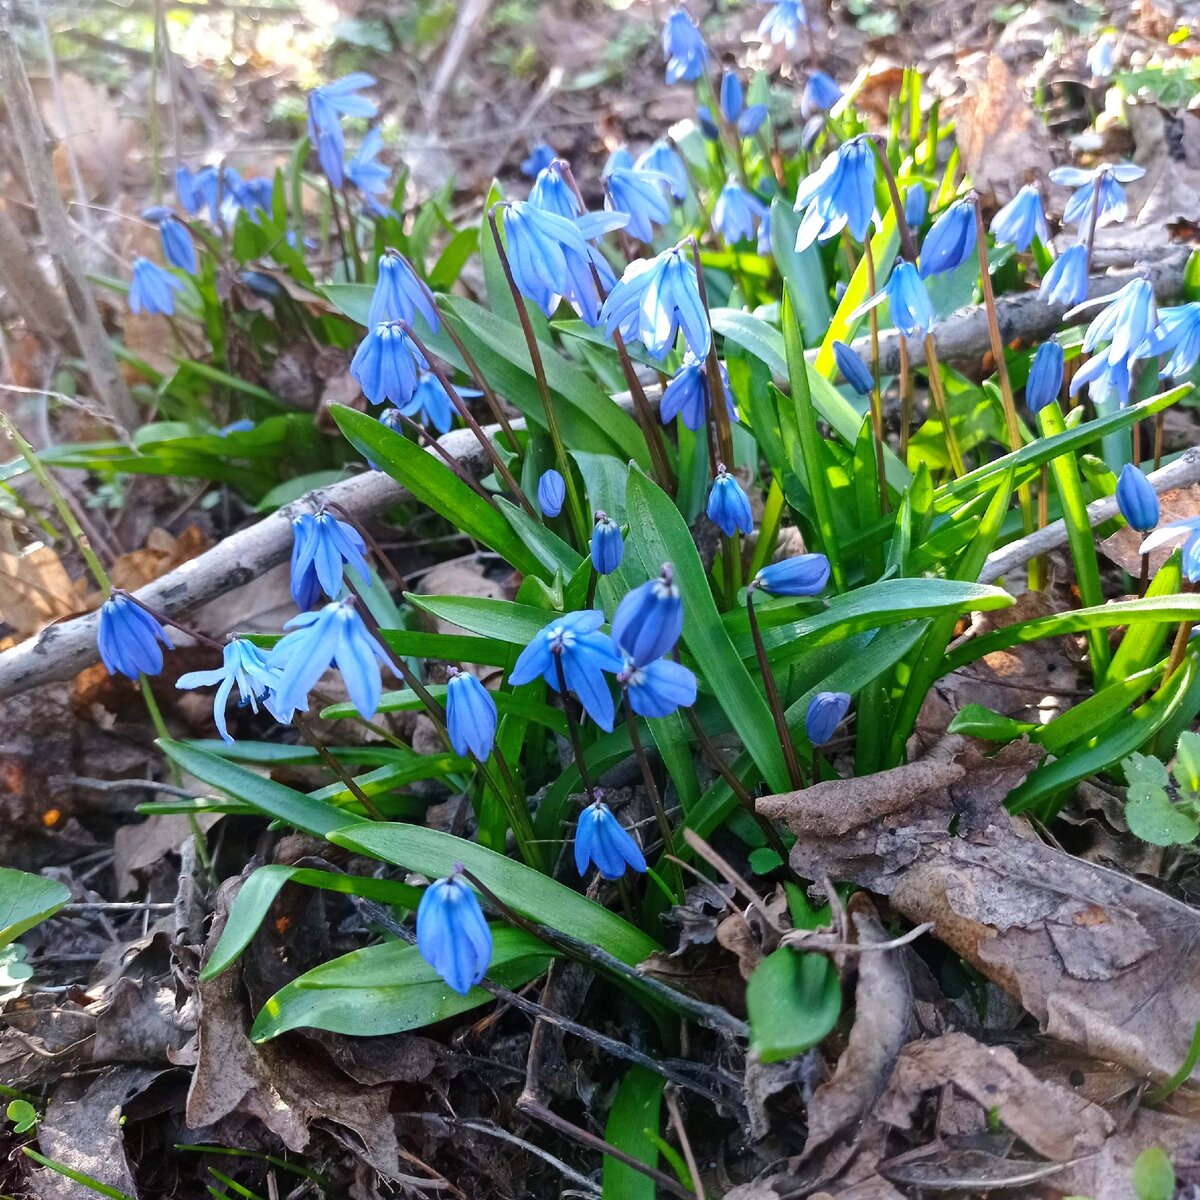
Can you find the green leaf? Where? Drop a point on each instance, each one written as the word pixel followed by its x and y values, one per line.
pixel 802 271
pixel 1143 644
pixel 26 900
pixel 550 550
pixel 1152 817
pixel 974 720
pixel 635 1113
pixel 87 1181
pixel 501 620
pixel 23 1116
pixel 1187 763
pixel 793 1001
pixel 408 701
pixel 1153 1175
pixel 434 484
pixel 390 988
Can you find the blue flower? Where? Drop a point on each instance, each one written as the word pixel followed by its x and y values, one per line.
pixel 128 638
pixel 752 120
pixel 321 547
pixel 1021 220
pixel 916 206
pixel 400 294
pixel 911 309
pixel 1045 376
pixel 600 839
pixel 800 575
pixel 951 241
pixel 243 665
pixel 608 546
pixel 1127 319
pixel 1178 329
pixel 1100 56
pixel 708 123
pixel 654 299
pixel 1108 177
pixel 782 24
pixel 386 364
pixel 683 48
pixel 551 492
pixel 552 192
pixel 857 373
pixel 729 506
pixel 733 97
pixel 661 158
pixel 820 94
pixel 736 212
pixel 470 715
pixel 251 195
pixel 1066 282
pixel 550 259
pixel 688 396
pixel 430 404
pixel 825 713
pixel 658 688
pixel 332 636
pixel 649 620
pixel 244 425
pixel 452 935
pixel 764 235
pixel 178 248
pixel 640 195
pixel 1105 375
pixel 365 170
pixel 540 157
pixel 326 106
pixel 575 641
pixel 1189 527
pixel 151 288
pixel 187 190
pixel 840 194
pixel 1137 499
pixel 618 160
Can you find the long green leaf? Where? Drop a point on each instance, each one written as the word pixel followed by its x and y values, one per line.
pixel 634 1115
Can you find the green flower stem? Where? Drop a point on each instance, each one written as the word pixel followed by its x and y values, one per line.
pixel 777 713
pixel 313 739
pixel 660 813
pixel 876 398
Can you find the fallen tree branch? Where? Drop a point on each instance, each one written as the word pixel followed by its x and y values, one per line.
pixel 1183 472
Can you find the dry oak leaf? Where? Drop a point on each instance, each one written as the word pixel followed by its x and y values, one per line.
pixel 1102 961
pixel 35 589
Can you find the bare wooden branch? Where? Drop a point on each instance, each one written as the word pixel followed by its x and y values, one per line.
pixel 30 136
pixel 29 290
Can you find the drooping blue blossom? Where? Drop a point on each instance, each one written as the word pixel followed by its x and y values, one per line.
pixel 663 159
pixel 752 120
pixel 1178 331
pixel 825 713
pixel 333 636
pixel 1066 282
pixel 470 715
pixel 1045 376
pixel 911 309
pixel 550 259
pixel 649 619
pixel 683 48
pixel 1104 375
pixel 321 547
pixel 251 195
pixel 178 248
pixel 687 395
pixel 452 934
pixel 243 425
pixel 820 94
pixel 575 641
pixel 243 666
pixel 152 288
pixel 1021 220
pixel 387 363
pixel 619 159
pixel 540 157
pixel 951 241
pixel 367 173
pixel 1107 177
pixel 1127 319
pixel 601 839
pixel 800 575
pixel 654 299
pixel 594 226
pixel 430 404
pixel 552 192
pixel 608 546
pixel 640 195
pixel 708 123
pixel 551 492
pixel 1100 56
pixel 728 506
pixel 783 22
pixel 187 190
pixel 658 688
pixel 916 206
pixel 128 638
pixel 400 294
pixel 326 107
pixel 746 120
pixel 1137 499
pixel 857 373
pixel 840 194
pixel 736 212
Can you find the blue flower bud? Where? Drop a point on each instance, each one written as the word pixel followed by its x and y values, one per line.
pixel 540 157
pixel 400 294
pixel 128 638
pixel 951 241
pixel 452 934
pixel 1045 376
pixel 820 94
pixel 151 288
pixel 649 620
pixel 857 373
pixel 751 121
pixel 800 575
pixel 916 206
pixel 1137 499
pixel 733 97
pixel 470 715
pixel 552 192
pixel 708 123
pixel 551 492
pixel 825 713
pixel 729 506
pixel 608 546
pixel 386 364
pixel 600 839
pixel 1066 282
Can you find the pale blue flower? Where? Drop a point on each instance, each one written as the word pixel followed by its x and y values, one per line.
pixel 654 300
pixel 736 212
pixel 1178 330
pixel 400 294
pixel 243 666
pixel 683 48
pixel 600 839
pixel 840 194
pixel 951 241
pixel 1021 220
pixel 452 934
pixel 1066 282
pixel 664 160
pixel 1108 177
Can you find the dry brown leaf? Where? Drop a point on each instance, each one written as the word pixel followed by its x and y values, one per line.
pixel 163 552
pixel 1169 193
pixel 35 589
pixel 136 847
